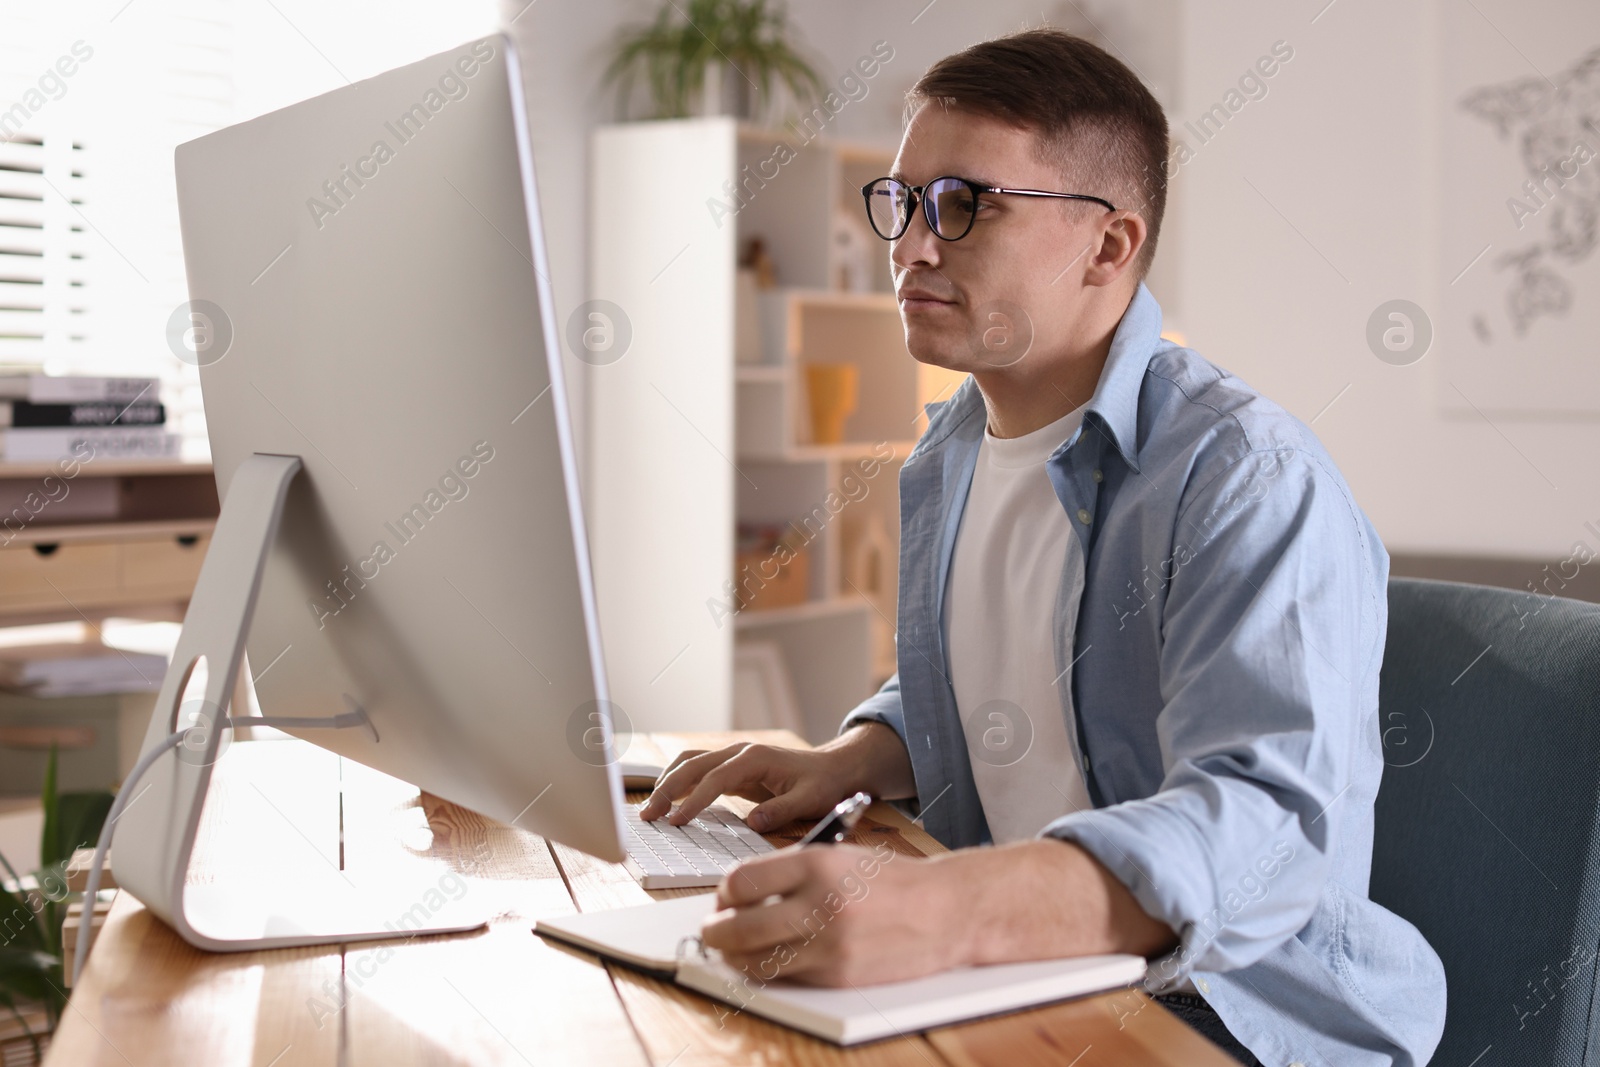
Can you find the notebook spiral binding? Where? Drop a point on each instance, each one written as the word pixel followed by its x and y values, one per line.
pixel 691 945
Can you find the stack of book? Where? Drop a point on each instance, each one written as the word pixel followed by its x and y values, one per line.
pixel 65 671
pixel 74 658
pixel 44 418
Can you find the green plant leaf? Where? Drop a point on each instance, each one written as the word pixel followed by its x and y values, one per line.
pixel 28 975
pixel 49 845
pixel 15 961
pixel 11 872
pixel 53 891
pixel 79 817
pixel 20 925
pixel 671 53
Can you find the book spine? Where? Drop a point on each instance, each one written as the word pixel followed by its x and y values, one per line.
pixel 89 389
pixel 25 413
pixel 45 444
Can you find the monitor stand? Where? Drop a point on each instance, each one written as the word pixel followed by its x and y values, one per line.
pixel 312 904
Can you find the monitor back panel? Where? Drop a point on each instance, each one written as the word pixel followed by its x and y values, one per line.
pixel 379 305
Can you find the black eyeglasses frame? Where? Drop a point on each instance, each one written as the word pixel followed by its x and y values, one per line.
pixel 916 198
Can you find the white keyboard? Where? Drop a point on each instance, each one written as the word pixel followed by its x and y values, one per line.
pixel 663 856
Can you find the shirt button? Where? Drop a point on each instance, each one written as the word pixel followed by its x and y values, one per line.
pixel 1206 988
pixel 1083 515
pixel 1098 476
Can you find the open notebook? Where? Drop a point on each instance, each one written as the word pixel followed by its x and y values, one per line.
pixel 663 937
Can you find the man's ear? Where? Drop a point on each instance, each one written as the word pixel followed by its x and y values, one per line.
pixel 1120 237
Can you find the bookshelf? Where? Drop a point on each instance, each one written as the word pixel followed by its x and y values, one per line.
pixel 703 422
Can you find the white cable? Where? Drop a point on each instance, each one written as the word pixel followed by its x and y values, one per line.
pixel 81 954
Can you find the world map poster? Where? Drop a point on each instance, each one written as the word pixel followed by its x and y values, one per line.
pixel 1519 221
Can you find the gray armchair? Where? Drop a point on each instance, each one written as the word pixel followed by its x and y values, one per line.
pixel 1488 819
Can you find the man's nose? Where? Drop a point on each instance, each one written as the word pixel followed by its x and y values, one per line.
pixel 917 245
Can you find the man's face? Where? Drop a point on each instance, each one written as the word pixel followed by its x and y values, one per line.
pixel 1008 294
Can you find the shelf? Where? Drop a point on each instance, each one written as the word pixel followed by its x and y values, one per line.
pixel 753 133
pixel 852 154
pixel 806 612
pixel 873 299
pixel 801 327
pixel 106 468
pixel 702 316
pixel 848 152
pixel 845 450
pixel 113 531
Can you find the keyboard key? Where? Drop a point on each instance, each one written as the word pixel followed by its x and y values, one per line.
pixel 698 853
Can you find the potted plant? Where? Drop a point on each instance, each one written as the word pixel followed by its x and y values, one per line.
pixel 32 909
pixel 714 56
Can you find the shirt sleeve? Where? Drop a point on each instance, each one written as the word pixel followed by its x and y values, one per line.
pixel 1273 613
pixel 883 706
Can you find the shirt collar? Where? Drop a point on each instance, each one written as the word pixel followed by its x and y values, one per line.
pixel 1116 396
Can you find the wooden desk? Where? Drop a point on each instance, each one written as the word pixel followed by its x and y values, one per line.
pixel 497 996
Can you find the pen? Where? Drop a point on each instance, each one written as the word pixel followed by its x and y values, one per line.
pixel 837 824
pixel 834 828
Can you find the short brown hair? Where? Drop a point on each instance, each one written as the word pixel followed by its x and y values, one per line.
pixel 1083 102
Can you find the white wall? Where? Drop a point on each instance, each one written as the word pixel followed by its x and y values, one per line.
pixel 562 45
pixel 1334 166
pixel 1344 147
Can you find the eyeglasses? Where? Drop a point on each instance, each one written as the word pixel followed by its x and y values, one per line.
pixel 950 204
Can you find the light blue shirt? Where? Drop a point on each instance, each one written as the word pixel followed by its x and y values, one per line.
pixel 1224 676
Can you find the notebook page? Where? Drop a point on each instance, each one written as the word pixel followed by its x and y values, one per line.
pixel 645 935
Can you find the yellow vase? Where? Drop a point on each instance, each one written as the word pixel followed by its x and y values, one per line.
pixel 832 390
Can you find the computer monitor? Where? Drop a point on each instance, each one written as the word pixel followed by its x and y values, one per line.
pixel 401 543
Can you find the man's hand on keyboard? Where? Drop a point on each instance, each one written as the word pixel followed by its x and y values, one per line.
pixel 789 783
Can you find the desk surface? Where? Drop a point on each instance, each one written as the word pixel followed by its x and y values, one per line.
pixel 501 995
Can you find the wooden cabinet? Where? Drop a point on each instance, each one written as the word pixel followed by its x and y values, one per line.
pixel 40 575
pixel 112 537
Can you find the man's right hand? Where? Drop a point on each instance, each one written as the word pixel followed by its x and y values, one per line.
pixel 789 783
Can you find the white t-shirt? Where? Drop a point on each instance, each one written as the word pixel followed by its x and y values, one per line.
pixel 1015 553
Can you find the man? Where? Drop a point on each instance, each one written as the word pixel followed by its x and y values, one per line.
pixel 1141 620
